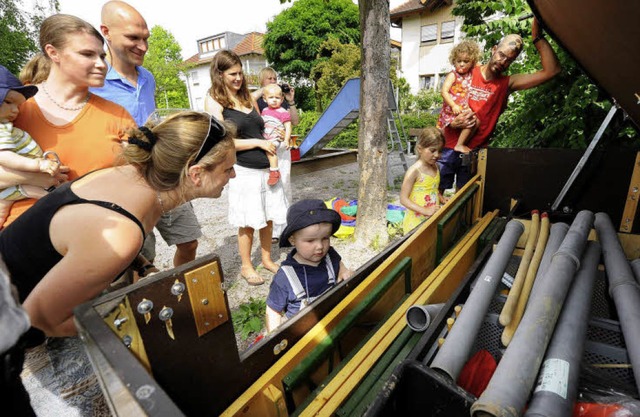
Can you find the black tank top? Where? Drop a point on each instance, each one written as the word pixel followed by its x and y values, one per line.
pixel 250 126
pixel 25 244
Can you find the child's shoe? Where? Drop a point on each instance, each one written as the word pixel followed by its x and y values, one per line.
pixel 274 177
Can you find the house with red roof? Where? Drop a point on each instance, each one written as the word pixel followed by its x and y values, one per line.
pixel 247 46
pixel 429 31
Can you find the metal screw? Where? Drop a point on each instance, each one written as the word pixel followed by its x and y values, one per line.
pixel 220 316
pixel 118 322
pixel 127 340
pixel 284 344
pixel 165 314
pixel 194 280
pixel 212 272
pixel 177 288
pixel 277 349
pixel 145 306
pixel 205 302
pixel 206 323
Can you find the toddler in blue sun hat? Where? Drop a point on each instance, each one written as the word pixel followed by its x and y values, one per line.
pixel 312 267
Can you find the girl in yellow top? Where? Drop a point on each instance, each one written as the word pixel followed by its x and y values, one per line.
pixel 419 192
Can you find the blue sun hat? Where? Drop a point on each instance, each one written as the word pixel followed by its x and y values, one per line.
pixel 8 81
pixel 305 213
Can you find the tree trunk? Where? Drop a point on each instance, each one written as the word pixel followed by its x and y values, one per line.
pixel 374 108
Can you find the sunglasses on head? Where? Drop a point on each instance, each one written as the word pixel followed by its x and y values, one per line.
pixel 215 134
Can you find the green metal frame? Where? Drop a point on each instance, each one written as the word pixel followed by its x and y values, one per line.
pixel 461 205
pixel 301 373
pixel 370 386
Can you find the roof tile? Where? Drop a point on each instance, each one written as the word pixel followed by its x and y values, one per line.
pixel 416 6
pixel 251 44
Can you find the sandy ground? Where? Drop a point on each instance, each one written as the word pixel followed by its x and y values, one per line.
pixel 219 237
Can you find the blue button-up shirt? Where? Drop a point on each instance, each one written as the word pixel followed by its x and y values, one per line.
pixel 138 100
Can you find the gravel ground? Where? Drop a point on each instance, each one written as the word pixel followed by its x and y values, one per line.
pixel 219 237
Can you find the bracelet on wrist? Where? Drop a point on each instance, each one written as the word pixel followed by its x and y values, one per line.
pixel 292 104
pixel 538 38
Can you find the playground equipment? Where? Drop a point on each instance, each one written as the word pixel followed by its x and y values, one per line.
pixel 343 110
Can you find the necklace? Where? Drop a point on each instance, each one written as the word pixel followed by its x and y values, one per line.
pixel 84 103
pixel 164 213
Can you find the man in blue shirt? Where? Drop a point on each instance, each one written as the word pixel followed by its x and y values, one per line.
pixel 133 87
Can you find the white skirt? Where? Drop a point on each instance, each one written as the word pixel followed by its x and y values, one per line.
pixel 252 202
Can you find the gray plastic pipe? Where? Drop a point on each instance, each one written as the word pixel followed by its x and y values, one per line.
pixel 516 373
pixel 623 288
pixel 419 317
pixel 454 353
pixel 557 387
pixel 635 267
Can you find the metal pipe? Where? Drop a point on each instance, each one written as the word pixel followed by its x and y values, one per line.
pixel 455 351
pixel 529 278
pixel 557 386
pixel 635 267
pixel 623 288
pixel 515 375
pixel 516 288
pixel 419 317
pixel 585 158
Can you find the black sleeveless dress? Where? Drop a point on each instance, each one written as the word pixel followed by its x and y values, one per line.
pixel 25 245
pixel 250 126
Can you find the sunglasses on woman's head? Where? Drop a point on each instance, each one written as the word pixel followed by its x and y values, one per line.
pixel 215 134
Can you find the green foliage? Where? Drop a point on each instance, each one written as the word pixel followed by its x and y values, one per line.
pixel 249 317
pixel 164 61
pixel 347 139
pixel 429 101
pixel 293 38
pixel 307 120
pixel 330 74
pixel 19 33
pixel 564 112
pixel 418 120
pixel 305 97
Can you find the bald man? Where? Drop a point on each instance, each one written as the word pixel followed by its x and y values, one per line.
pixel 127 82
pixel 133 87
pixel 488 95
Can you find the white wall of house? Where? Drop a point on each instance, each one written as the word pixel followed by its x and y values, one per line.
pixel 411 51
pixel 199 81
pixel 424 64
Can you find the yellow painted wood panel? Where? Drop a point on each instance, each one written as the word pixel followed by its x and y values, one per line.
pixel 631 206
pixel 340 387
pixel 204 286
pixel 420 247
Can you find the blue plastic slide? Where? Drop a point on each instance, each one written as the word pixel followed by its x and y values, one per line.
pixel 341 112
